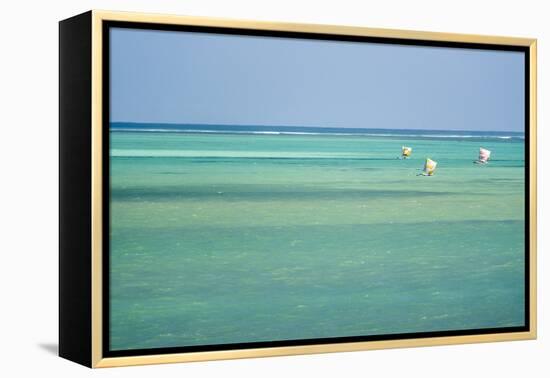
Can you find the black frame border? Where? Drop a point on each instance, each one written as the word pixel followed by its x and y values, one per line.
pixel 106 198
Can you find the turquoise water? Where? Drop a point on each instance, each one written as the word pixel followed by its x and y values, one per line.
pixel 236 237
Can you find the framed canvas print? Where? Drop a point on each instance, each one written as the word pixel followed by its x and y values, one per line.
pixel 236 189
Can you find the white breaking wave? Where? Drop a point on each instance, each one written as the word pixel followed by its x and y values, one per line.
pixel 261 132
pixel 237 154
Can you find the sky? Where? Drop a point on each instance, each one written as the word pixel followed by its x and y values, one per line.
pixel 200 78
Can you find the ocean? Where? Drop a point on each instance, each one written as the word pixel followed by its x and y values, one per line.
pixel 234 234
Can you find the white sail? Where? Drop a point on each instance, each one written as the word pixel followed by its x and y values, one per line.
pixel 429 167
pixel 406 152
pixel 484 155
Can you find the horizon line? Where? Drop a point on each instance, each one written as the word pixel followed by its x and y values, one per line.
pixel 314 127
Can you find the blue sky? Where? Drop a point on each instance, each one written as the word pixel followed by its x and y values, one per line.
pixel 182 77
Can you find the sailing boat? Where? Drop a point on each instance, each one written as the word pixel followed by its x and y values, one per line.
pixel 406 152
pixel 484 156
pixel 429 167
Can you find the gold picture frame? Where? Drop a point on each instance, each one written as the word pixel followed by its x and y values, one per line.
pixel 82 40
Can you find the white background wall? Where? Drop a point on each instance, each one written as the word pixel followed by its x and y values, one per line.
pixel 28 185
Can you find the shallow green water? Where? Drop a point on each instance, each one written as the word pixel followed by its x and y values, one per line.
pixel 241 238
